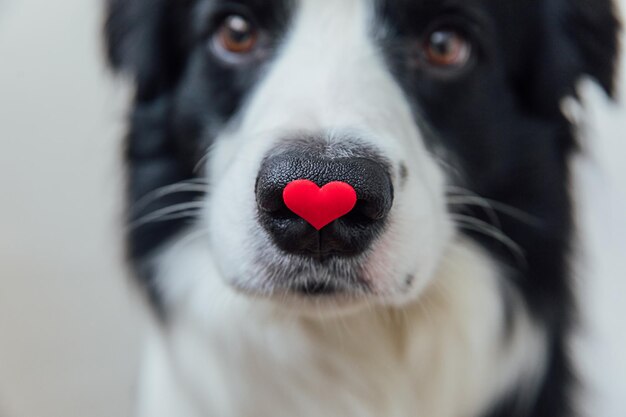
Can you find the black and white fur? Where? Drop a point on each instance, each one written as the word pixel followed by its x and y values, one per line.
pixel 469 304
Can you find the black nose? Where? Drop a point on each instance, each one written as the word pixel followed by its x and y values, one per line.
pixel 349 235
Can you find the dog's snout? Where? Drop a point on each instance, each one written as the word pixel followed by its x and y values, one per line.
pixel 348 235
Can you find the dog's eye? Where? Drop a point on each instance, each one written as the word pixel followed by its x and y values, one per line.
pixel 447 48
pixel 236 35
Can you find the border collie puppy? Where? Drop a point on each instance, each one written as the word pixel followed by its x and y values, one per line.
pixel 446 291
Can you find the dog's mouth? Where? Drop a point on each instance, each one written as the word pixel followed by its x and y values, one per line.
pixel 306 278
pixel 311 297
pixel 317 289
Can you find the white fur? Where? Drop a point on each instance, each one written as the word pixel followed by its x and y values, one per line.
pixel 435 349
pixel 441 356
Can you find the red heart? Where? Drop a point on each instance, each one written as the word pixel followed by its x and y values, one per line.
pixel 319 206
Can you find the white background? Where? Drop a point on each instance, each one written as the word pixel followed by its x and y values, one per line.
pixel 70 325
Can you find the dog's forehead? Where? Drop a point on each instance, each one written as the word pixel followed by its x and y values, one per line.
pixel 409 9
pixel 395 17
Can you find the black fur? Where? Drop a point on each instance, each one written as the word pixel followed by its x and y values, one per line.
pixel 498 124
pixel 181 100
pixel 503 132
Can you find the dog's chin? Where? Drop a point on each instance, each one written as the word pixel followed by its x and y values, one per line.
pixel 306 303
pixel 308 286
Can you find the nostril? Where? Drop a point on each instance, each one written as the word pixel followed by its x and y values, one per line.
pixel 371 210
pixel 362 215
pixel 283 213
pixel 269 198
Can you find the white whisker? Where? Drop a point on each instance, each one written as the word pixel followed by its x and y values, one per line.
pixel 479 226
pixel 461 196
pixel 187 186
pixel 168 212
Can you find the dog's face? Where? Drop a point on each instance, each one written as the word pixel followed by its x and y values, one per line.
pixel 426 108
pixel 324 105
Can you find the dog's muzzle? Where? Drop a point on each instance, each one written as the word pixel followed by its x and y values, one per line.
pixel 348 236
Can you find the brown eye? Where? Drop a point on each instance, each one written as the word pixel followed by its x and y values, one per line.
pixel 447 48
pixel 236 35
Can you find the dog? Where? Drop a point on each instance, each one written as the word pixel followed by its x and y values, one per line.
pixel 445 291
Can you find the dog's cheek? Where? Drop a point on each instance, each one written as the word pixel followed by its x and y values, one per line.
pixel 231 214
pixel 406 257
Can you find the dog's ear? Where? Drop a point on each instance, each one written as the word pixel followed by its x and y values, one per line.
pixel 577 38
pixel 142 41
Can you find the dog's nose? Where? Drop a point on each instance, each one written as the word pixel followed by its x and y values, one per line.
pixel 348 235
